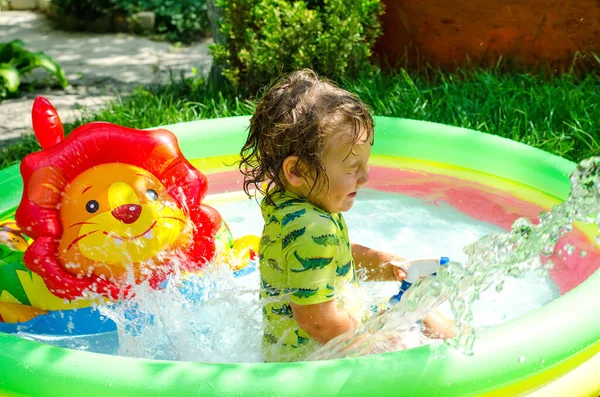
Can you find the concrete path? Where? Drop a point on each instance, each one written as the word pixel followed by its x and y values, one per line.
pixel 99 67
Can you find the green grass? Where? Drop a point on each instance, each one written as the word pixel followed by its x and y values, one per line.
pixel 182 100
pixel 560 115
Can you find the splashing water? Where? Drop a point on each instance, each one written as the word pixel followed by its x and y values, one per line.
pixel 490 261
pixel 193 318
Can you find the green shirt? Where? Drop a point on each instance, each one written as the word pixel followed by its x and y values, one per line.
pixel 305 258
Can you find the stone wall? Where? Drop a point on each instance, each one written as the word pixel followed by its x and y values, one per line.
pixel 448 33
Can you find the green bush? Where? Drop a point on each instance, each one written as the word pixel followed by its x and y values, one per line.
pixel 15 62
pixel 85 10
pixel 176 20
pixel 267 37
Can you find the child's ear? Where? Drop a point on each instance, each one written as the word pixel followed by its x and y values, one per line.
pixel 292 170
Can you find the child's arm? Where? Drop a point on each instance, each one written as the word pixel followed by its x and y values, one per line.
pixel 313 262
pixel 377 264
pixel 323 321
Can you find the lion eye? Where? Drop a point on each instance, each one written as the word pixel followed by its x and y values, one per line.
pixel 92 206
pixel 151 194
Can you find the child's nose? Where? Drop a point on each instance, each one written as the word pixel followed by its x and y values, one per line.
pixel 364 177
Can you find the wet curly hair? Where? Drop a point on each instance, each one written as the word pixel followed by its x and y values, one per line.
pixel 293 118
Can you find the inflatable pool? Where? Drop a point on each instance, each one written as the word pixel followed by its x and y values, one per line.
pixel 486 177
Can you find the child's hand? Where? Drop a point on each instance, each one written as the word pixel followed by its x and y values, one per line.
pixel 398 268
pixel 379 265
pixel 399 273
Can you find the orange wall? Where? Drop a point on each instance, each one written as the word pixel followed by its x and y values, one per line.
pixel 444 32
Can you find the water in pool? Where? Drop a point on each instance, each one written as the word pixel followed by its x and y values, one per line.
pixel 223 323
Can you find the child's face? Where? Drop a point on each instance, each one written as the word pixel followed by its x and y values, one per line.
pixel 346 167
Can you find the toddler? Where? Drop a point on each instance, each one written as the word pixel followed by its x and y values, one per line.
pixel 307 151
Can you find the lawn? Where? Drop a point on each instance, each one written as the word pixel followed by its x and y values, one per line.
pixel 559 114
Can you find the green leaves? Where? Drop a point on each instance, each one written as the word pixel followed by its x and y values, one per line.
pixel 11 262
pixel 8 51
pixel 85 10
pixel 8 256
pixel 11 77
pixel 15 61
pixel 44 61
pixel 182 21
pixel 268 37
pixel 178 20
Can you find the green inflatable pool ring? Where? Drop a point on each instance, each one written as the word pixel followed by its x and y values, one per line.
pixel 555 352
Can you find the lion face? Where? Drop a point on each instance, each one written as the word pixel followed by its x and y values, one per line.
pixel 115 215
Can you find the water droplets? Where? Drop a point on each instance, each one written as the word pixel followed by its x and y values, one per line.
pixel 566 229
pixel 499 286
pixel 585 180
pixel 222 319
pixel 549 265
pixel 522 227
pixel 547 249
pixel 545 217
pixel 569 249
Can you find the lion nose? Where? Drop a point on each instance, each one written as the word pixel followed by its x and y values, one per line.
pixel 127 213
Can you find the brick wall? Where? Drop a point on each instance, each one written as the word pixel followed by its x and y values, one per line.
pixel 446 32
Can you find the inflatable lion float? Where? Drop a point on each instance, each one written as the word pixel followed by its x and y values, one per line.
pixel 107 204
